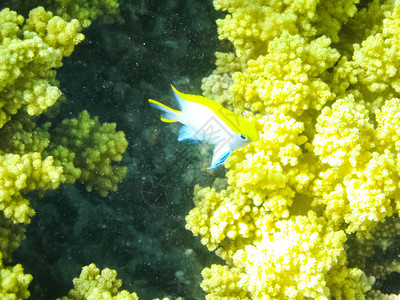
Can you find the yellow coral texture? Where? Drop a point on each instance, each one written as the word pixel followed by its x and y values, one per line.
pixel 96 285
pixel 320 81
pixel 29 53
pixel 33 158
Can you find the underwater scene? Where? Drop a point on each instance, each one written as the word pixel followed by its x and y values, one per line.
pixel 199 149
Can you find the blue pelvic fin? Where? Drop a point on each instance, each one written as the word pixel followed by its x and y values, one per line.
pixel 187 134
pixel 221 154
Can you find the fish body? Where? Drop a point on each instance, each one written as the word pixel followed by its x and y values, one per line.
pixel 205 120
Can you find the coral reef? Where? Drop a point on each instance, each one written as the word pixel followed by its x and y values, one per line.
pixel 27 64
pixel 141 226
pixel 28 88
pixel 28 58
pixel 14 283
pixel 92 284
pixel 326 167
pixel 29 53
pixel 97 146
pixel 84 12
pixel 109 74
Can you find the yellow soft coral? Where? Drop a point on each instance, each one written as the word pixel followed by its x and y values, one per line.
pixel 22 174
pixel 93 285
pixel 218 85
pixel 95 146
pixel 229 216
pixel 387 132
pixel 13 282
pixel 344 133
pixel 28 58
pixel 265 166
pixel 20 135
pixel 259 182
pixel 372 72
pixel 85 11
pixel 291 261
pixel 378 57
pixel 11 237
pixel 289 78
pixel 327 164
pixel 361 180
pixel 250 25
pixel 32 158
pixel 54 31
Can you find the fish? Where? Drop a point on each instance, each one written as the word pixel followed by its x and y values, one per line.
pixel 205 120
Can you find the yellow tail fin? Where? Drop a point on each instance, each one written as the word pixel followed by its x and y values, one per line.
pixel 169 115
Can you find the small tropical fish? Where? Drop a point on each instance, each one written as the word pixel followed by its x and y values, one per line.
pixel 205 120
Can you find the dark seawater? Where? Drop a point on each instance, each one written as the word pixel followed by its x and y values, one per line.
pixel 140 229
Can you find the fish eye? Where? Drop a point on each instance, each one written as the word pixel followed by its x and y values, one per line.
pixel 243 137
